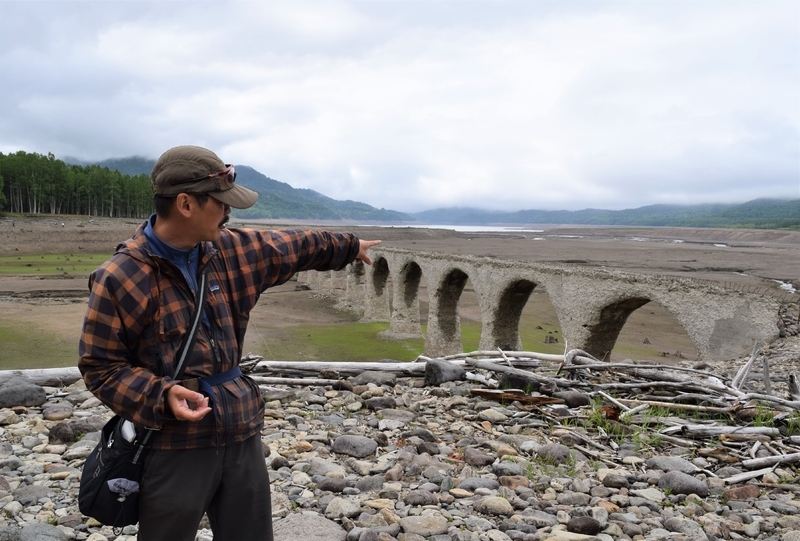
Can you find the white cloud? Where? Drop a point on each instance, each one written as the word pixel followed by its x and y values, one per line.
pixel 417 105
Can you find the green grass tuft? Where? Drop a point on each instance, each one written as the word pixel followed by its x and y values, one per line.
pixel 51 264
pixel 25 347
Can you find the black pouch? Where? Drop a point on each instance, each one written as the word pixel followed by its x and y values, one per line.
pixel 109 490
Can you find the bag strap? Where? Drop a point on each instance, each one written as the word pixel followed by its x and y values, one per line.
pixel 191 335
pixel 186 346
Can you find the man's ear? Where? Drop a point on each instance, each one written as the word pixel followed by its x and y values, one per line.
pixel 183 204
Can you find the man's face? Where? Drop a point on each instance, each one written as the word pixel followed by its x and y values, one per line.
pixel 210 219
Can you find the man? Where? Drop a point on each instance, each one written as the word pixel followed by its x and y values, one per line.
pixel 207 455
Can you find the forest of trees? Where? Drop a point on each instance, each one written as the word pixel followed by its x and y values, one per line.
pixel 36 184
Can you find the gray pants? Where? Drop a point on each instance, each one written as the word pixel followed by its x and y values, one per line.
pixel 231 484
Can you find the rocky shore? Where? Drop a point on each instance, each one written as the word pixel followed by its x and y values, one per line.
pixel 382 458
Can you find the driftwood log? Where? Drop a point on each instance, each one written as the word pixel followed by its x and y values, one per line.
pixel 46 377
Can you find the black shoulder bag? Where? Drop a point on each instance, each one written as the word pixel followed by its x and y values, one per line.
pixel 111 475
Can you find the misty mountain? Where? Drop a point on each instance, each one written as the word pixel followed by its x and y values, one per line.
pixel 756 214
pixel 279 200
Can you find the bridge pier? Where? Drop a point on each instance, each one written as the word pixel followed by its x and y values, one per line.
pixel 355 284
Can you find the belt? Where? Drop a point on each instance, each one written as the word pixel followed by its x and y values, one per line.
pixel 204 385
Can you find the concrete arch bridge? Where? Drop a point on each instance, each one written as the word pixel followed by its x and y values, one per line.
pixel 592 305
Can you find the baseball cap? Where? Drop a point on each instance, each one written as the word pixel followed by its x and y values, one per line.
pixel 196 170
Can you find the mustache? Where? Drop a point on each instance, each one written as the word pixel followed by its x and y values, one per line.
pixel 225 219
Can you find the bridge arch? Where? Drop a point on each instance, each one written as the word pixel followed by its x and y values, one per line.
pixel 604 332
pixel 377 299
pixel 405 320
pixel 444 326
pixel 505 319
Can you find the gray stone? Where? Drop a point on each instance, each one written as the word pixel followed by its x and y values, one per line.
pixel 377 377
pixel 506 468
pixel 428 447
pixel 381 403
pixel 493 505
pixel 20 391
pixel 62 432
pixel 584 525
pixel 30 494
pixel 352 445
pixel 331 484
pixel 613 480
pixel 282 506
pixel 530 446
pixel 403 416
pixel 554 453
pixel 320 466
pixel 492 415
pixel 438 372
pixel 9 533
pixel 472 483
pixel 307 526
pixel 370 483
pixel 685 526
pixel 632 530
pixel 652 494
pixel 342 507
pixel 671 463
pixel 624 517
pixel 540 519
pixel 600 514
pixel 38 531
pixel 573 399
pixel 784 508
pixel 425 526
pixel 421 433
pixel 681 483
pixel 420 497
pixel 57 412
pixel 12 463
pixel 474 457
pixel 573 498
pixel 332 420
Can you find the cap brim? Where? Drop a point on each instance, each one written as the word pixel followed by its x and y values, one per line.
pixel 238 197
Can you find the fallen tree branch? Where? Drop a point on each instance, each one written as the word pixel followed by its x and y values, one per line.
pixel 741 376
pixel 771 460
pixel 265 380
pixel 746 476
pixel 522 374
pixel 712 431
pixel 680 407
pixel 344 369
pixel 493 353
pixel 614 366
pixel 47 377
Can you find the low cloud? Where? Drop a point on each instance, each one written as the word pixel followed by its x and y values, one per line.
pixel 412 106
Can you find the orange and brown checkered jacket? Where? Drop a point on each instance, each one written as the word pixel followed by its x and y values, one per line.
pixel 139 309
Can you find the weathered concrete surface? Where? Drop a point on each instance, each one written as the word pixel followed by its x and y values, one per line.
pixel 592 305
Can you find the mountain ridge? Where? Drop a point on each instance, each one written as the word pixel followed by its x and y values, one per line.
pixel 280 200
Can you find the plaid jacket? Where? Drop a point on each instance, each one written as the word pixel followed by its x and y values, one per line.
pixel 139 309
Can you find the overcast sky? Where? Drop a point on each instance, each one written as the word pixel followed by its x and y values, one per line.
pixel 413 105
